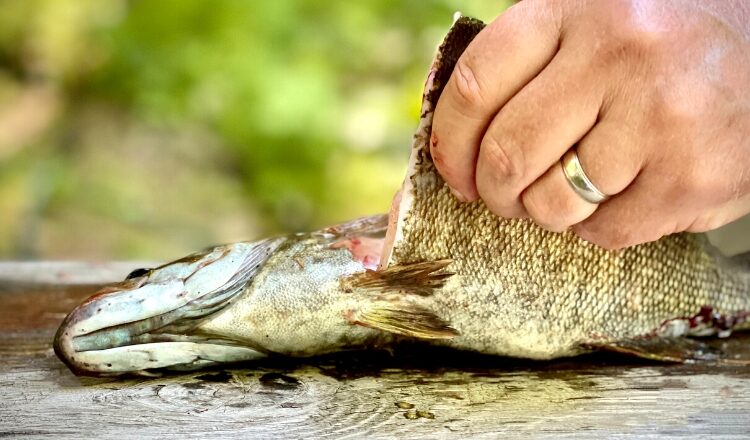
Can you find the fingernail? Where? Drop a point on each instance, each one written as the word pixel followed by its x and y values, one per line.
pixel 461 198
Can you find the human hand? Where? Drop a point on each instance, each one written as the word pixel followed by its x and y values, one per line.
pixel 655 97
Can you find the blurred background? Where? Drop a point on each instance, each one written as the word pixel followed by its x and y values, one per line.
pixel 148 129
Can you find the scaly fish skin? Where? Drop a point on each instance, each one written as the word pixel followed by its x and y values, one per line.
pixel 447 272
pixel 544 296
pixel 557 293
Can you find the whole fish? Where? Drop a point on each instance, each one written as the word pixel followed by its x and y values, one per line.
pixel 433 269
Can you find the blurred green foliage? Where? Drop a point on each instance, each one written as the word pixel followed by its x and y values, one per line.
pixel 151 128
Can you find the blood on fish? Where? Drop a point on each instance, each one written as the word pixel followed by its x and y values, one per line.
pixel 370 262
pixel 366 250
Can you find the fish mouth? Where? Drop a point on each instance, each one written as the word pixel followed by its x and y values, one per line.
pixel 148 322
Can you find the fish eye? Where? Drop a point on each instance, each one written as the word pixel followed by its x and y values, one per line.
pixel 137 273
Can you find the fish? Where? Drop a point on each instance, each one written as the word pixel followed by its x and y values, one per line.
pixel 432 269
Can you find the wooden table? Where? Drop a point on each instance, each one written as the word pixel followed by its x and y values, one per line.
pixel 418 393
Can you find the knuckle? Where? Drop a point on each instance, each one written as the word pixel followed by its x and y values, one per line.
pixel 617 52
pixel 641 24
pixel 683 102
pixel 503 160
pixel 700 184
pixel 698 180
pixel 468 88
pixel 632 32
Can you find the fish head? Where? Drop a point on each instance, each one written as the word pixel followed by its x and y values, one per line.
pixel 235 302
pixel 147 322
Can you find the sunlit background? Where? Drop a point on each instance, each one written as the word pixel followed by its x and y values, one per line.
pixel 149 129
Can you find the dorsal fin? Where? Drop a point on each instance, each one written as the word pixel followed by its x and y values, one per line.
pixel 372 226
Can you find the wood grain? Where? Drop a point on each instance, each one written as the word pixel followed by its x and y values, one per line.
pixel 418 392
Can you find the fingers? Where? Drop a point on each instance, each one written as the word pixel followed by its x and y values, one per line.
pixel 658 202
pixel 611 155
pixel 611 161
pixel 503 58
pixel 639 216
pixel 631 218
pixel 643 209
pixel 553 204
pixel 533 130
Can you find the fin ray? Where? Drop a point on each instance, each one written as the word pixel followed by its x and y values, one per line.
pixel 372 226
pixel 404 319
pixel 416 278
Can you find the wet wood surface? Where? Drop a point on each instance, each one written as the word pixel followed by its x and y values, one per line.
pixel 416 393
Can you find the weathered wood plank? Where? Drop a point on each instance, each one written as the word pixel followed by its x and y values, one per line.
pixel 68 272
pixel 420 392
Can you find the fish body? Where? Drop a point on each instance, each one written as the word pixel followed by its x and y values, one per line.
pixel 314 296
pixel 432 269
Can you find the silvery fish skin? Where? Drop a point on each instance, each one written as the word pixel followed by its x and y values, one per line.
pixel 434 269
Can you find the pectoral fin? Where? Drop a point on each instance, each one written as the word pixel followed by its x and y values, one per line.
pixel 403 319
pixel 415 278
pixel 391 309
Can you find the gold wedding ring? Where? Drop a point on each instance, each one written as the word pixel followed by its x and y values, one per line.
pixel 578 179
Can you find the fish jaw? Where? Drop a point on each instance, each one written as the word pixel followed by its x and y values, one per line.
pixel 146 323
